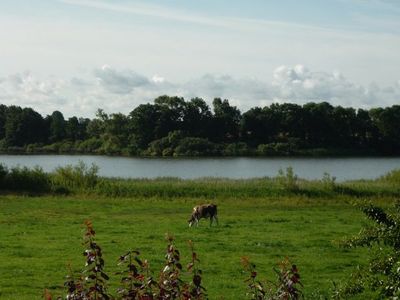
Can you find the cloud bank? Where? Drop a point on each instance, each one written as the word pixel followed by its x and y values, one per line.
pixel 121 90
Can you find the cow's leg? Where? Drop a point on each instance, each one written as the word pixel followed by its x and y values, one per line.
pixel 216 219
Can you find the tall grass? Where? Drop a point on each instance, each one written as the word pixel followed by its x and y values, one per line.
pixel 83 179
pixel 78 178
pixel 23 179
pixel 391 177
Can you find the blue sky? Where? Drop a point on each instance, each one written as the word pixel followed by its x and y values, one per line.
pixel 71 55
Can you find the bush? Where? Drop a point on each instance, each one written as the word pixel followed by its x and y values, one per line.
pixel 91 145
pixel 75 178
pixel 24 179
pixel 137 281
pixel 288 180
pixel 174 281
pixel 329 182
pixel 392 177
pixel 34 148
pixel 273 149
pixel 286 287
pixel 382 274
pixel 193 146
pixel 236 149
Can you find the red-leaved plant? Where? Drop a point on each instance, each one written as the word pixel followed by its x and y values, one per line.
pixel 137 282
pixel 286 287
pixel 91 283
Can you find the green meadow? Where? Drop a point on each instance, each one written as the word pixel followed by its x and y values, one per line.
pixel 41 234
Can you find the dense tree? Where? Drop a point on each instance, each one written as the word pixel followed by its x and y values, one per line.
pixel 143 121
pixel 57 126
pixel 3 118
pixel 319 130
pixel 387 120
pixel 197 120
pixel 344 122
pixel 173 126
pixel 171 112
pixel 257 126
pixel 226 121
pixel 23 127
pixel 75 129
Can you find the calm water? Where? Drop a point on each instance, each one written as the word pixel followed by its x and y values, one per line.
pixel 310 168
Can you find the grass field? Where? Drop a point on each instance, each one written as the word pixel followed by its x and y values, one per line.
pixel 40 236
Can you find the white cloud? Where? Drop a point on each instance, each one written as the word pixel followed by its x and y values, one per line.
pixel 121 90
pixel 298 84
pixel 119 81
pixel 158 79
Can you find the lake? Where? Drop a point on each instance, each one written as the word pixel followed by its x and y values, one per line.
pixel 190 168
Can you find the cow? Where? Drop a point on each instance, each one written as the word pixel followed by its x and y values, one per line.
pixel 203 211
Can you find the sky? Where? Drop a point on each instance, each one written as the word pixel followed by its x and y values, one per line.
pixel 76 56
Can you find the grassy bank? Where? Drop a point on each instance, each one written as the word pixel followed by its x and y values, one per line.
pixel 42 235
pixel 265 219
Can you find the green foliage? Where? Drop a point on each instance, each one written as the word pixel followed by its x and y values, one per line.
pixel 279 129
pixel 382 274
pixel 75 178
pixel 177 144
pixel 40 235
pixel 23 179
pixel 392 177
pixel 192 146
pixel 91 145
pixel 237 149
pixel 288 180
pixel 83 179
pixel 328 181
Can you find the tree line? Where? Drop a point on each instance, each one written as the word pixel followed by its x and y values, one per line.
pixel 172 126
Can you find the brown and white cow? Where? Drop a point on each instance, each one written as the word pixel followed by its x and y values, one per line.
pixel 203 211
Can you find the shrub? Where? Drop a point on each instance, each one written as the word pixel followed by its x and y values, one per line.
pixel 137 282
pixel 166 145
pixel 272 149
pixel 328 181
pixel 90 145
pixel 236 149
pixel 157 147
pixel 266 149
pixel 3 173
pixel 286 287
pixel 24 179
pixel 91 284
pixel 288 180
pixel 34 148
pixel 392 177
pixel 382 274
pixel 193 146
pixel 79 177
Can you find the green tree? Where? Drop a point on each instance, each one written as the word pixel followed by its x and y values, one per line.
pixel 143 121
pixel 387 120
pixel 3 119
pixel 226 121
pixel 23 127
pixel 75 129
pixel 57 127
pixel 319 130
pixel 345 124
pixel 197 118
